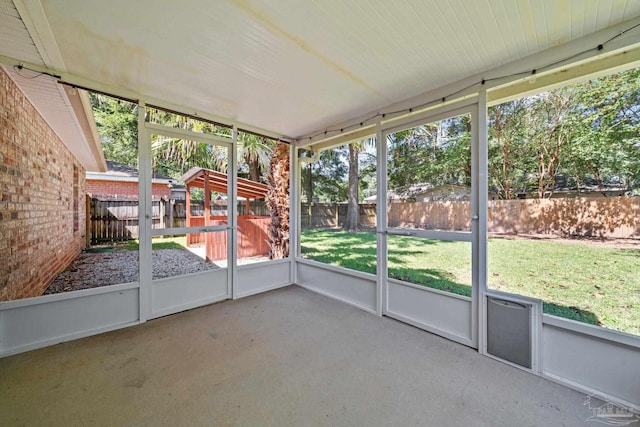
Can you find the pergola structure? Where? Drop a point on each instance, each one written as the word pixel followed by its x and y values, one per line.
pixel 318 75
pixel 252 229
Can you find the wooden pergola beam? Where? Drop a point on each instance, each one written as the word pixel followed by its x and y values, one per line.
pixel 218 181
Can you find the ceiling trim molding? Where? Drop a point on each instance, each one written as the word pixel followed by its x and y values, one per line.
pixel 37 24
pixel 83 118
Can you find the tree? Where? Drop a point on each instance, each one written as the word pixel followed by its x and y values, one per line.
pixel 352 221
pixel 507 151
pixel 436 153
pixel 254 153
pixel 326 179
pixel 586 132
pixel 278 202
pixel 606 129
pixel 173 157
pixel 117 125
pixel 549 130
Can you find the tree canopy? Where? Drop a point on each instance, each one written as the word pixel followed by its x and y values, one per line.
pixel 587 132
pixel 117 123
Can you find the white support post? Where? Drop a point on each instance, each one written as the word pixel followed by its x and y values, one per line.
pixel 481 193
pixel 294 214
pixel 232 215
pixel 381 222
pixel 145 215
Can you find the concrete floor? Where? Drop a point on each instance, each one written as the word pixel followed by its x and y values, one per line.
pixel 285 358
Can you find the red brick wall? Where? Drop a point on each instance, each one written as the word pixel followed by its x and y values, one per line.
pixel 99 187
pixel 42 227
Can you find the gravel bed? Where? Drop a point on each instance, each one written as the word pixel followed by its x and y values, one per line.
pixel 92 270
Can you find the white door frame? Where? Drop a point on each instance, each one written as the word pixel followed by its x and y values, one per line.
pixel 477 234
pixel 145 130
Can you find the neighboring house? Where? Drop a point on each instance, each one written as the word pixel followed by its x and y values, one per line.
pixel 447 192
pixel 427 193
pixel 48 139
pixel 178 192
pixel 120 182
pixel 566 187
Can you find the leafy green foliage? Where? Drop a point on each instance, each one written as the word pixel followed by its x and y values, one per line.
pixel 254 155
pixel 117 124
pixel 327 180
pixel 588 132
pixel 436 153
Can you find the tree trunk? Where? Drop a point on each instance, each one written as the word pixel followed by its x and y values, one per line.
pixel 278 202
pixel 352 222
pixel 254 169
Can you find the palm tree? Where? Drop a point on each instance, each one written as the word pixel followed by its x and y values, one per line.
pixel 255 151
pixel 278 202
pixel 176 156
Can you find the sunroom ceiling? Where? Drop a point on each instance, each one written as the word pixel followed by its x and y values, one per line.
pixel 294 67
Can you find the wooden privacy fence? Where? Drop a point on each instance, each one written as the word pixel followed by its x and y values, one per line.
pixel 117 220
pixel 604 217
pixel 431 215
pixel 332 215
pixel 111 220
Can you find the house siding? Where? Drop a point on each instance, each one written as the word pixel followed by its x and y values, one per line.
pixel 123 189
pixel 42 207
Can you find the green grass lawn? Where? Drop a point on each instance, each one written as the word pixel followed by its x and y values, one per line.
pixel 579 281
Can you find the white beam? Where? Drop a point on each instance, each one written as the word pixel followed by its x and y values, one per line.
pixel 232 216
pixel 188 135
pixel 480 211
pixel 294 216
pixel 565 76
pixel 340 139
pixel 145 216
pixel 381 221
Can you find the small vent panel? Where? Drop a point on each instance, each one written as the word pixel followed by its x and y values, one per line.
pixel 509 331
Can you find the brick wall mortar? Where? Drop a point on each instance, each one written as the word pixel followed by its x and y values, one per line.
pixel 98 187
pixel 37 237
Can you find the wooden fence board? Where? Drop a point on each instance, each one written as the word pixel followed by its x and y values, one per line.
pixel 117 220
pixel 603 217
pixel 613 217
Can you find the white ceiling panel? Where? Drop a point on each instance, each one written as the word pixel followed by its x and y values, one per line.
pixel 293 67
